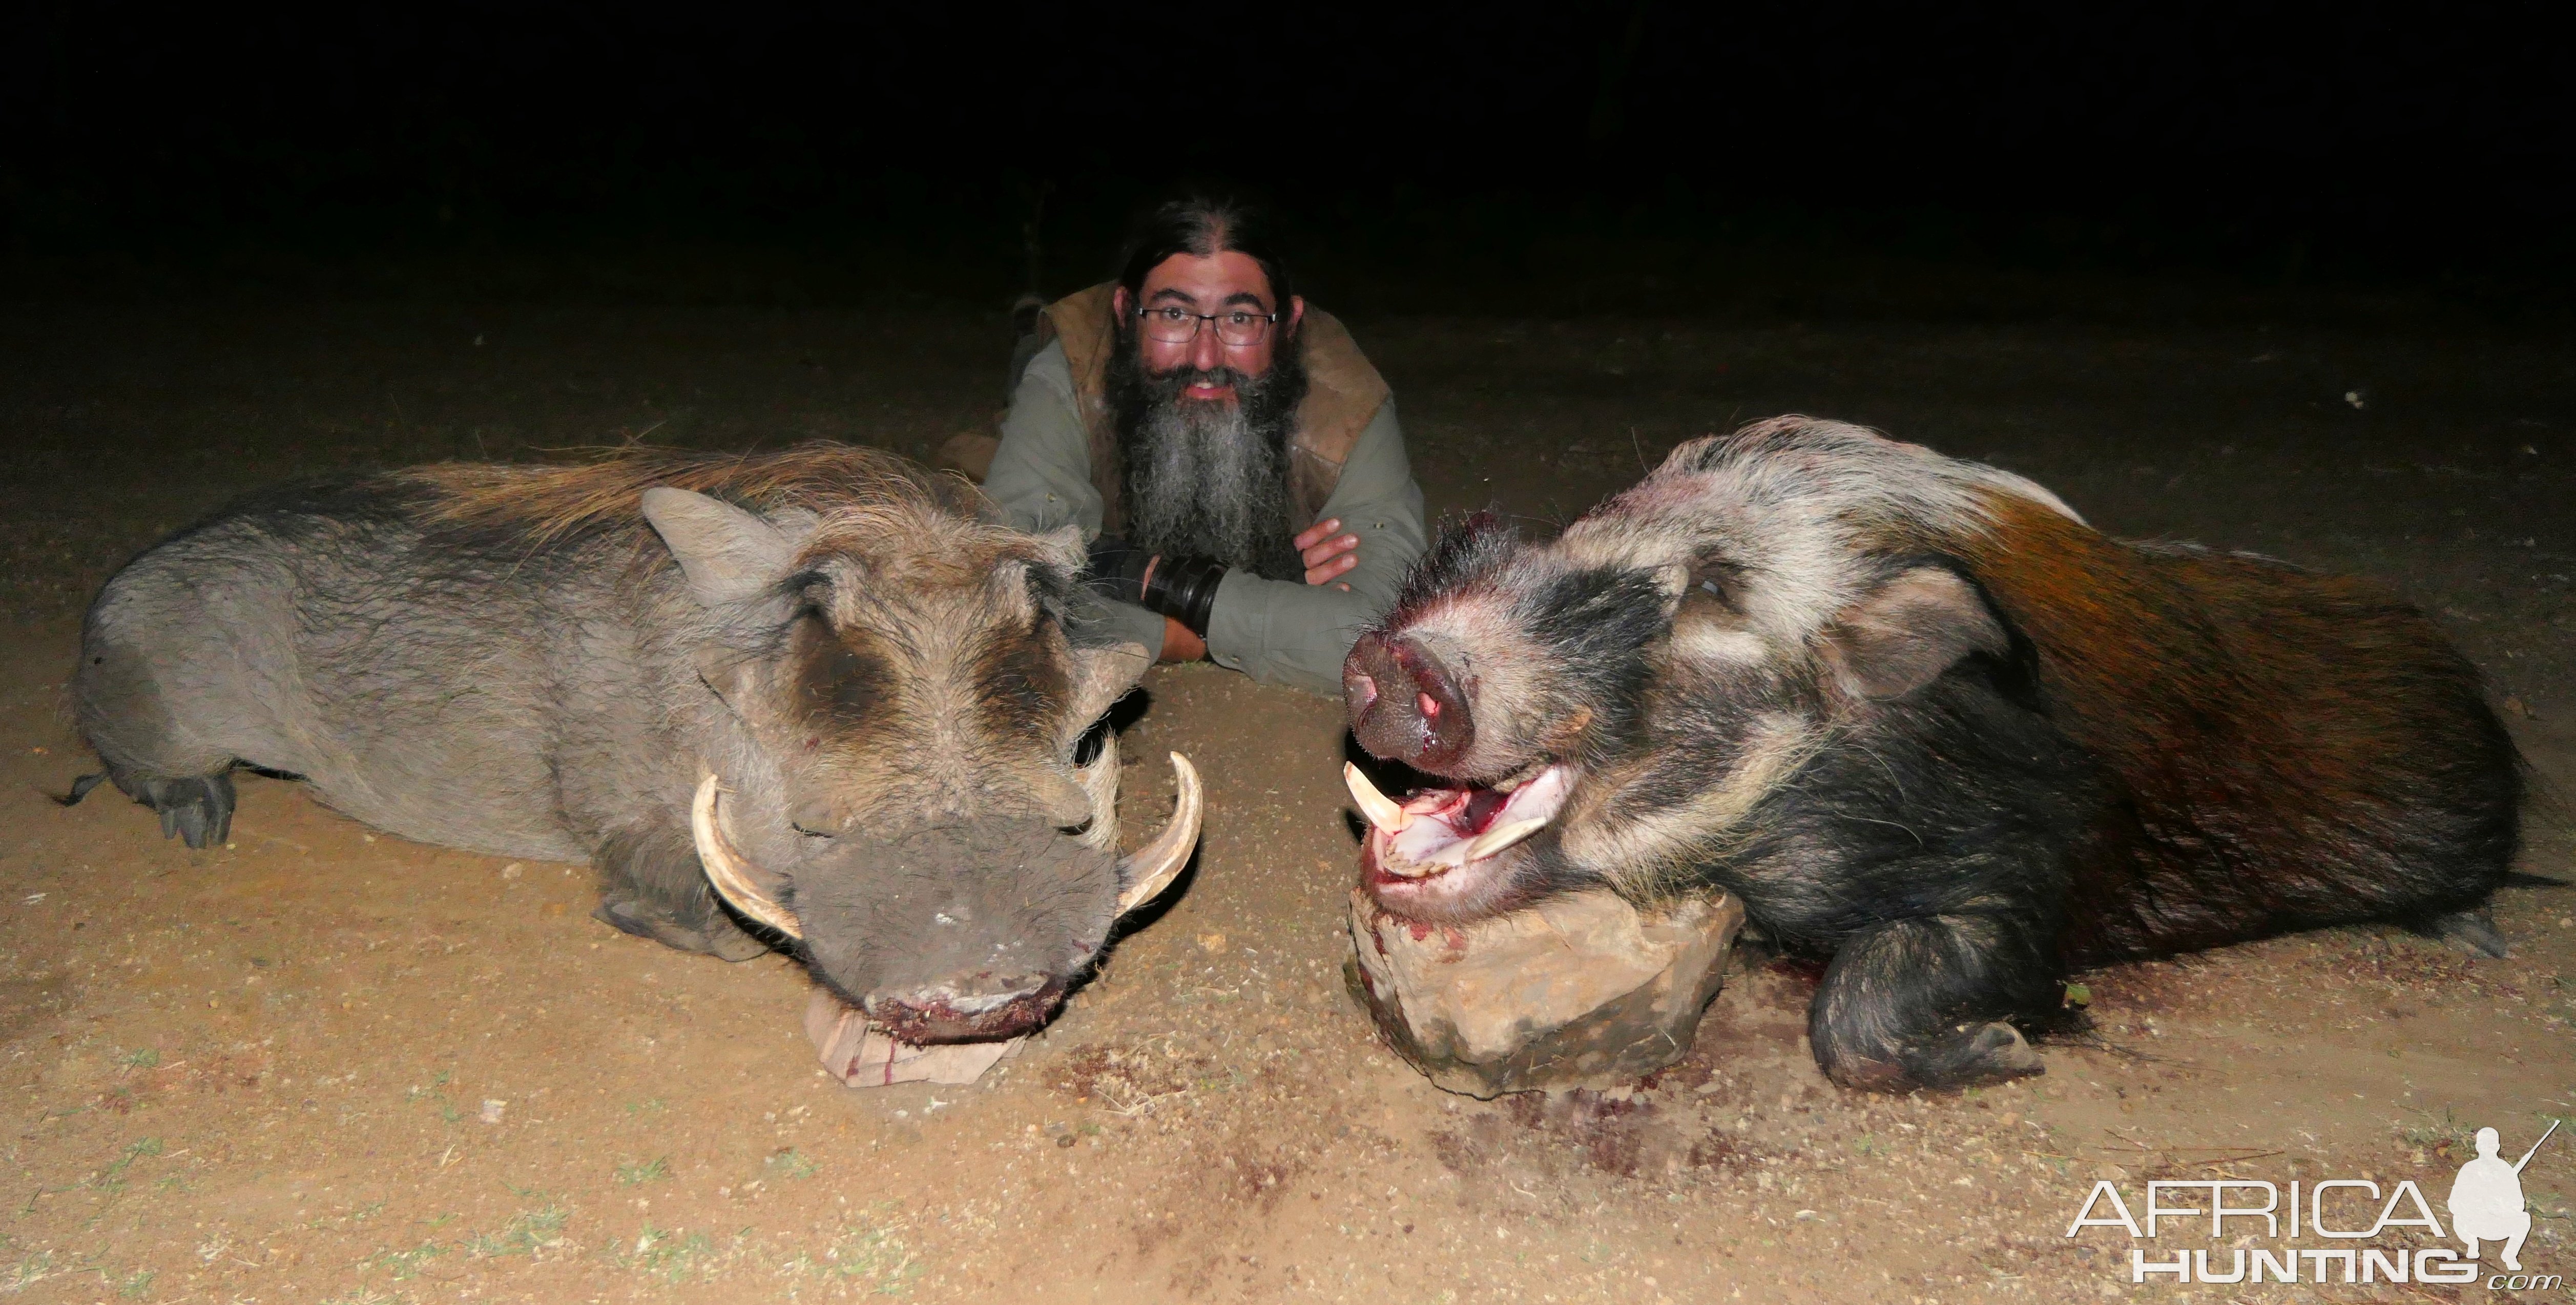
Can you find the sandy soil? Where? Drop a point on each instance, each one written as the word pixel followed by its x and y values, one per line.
pixel 323 1065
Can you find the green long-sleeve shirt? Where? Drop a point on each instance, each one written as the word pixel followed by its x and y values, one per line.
pixel 1276 631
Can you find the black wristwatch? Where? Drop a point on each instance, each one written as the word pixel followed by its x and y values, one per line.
pixel 1182 588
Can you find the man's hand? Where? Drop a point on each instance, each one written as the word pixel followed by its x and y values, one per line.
pixel 1179 645
pixel 1326 554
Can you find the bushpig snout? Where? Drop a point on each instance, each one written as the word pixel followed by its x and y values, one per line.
pixel 1405 704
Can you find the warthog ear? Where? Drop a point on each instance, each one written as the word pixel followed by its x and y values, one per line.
pixel 728 554
pixel 1064 547
pixel 1908 631
pixel 1102 676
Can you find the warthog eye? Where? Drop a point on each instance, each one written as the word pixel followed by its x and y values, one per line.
pixel 1075 831
pixel 809 833
pixel 1087 748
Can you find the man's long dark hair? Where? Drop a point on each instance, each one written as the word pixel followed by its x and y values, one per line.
pixel 1207 483
pixel 1202 223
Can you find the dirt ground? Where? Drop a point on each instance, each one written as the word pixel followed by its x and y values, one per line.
pixel 318 1064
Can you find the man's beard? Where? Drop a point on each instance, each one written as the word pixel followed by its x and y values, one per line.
pixel 1209 479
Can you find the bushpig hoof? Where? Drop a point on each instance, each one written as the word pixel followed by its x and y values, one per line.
pixel 1985 1053
pixel 2473 931
pixel 1972 1055
pixel 197 809
pixel 718 937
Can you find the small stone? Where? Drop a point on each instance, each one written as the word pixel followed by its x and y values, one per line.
pixel 492 1110
pixel 511 871
pixel 1212 943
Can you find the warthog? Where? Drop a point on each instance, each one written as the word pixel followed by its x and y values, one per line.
pixel 823 679
pixel 1923 721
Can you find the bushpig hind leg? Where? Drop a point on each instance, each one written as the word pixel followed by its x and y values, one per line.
pixel 1922 1003
pixel 652 886
pixel 2473 931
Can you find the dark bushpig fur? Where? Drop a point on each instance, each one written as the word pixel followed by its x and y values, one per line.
pixel 1924 721
pixel 544 662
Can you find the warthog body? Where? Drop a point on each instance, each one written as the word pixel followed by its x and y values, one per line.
pixel 1923 721
pixel 825 668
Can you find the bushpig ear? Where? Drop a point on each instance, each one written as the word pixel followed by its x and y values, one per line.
pixel 728 554
pixel 1908 631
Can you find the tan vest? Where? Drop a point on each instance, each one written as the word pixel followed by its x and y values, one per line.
pixel 1343 394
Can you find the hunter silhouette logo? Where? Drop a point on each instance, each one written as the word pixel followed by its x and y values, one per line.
pixel 2486 1199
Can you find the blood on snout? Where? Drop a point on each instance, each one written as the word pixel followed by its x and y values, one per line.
pixel 1405 704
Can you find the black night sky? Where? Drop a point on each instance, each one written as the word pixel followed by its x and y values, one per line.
pixel 2264 144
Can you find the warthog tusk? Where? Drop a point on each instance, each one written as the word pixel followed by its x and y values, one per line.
pixel 1496 839
pixel 1380 809
pixel 1099 782
pixel 726 868
pixel 1154 866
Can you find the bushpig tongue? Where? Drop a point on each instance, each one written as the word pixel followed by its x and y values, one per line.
pixel 1447 828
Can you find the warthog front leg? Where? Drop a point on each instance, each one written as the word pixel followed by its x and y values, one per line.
pixel 197 809
pixel 653 887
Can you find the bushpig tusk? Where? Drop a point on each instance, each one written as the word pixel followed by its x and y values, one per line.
pixel 1099 782
pixel 727 870
pixel 1154 866
pixel 1380 809
pixel 1500 837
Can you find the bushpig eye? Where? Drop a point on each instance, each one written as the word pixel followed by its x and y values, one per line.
pixel 1712 580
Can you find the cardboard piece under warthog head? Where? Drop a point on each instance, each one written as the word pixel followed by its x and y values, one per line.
pixel 1579 991
pixel 860 1054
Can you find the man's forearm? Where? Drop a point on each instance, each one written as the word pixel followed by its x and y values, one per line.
pixel 1285 632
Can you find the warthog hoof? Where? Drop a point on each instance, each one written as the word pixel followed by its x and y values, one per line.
pixel 198 809
pixel 717 936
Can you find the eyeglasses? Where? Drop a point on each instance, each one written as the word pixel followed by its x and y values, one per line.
pixel 1237 327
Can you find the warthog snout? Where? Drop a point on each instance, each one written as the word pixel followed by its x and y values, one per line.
pixel 950 932
pixel 969 1007
pixel 1405 704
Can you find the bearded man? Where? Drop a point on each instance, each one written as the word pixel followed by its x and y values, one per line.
pixel 1231 454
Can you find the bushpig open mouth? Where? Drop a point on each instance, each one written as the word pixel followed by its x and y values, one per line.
pixel 1441 850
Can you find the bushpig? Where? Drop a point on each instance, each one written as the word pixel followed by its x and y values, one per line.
pixel 820 682
pixel 1925 722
